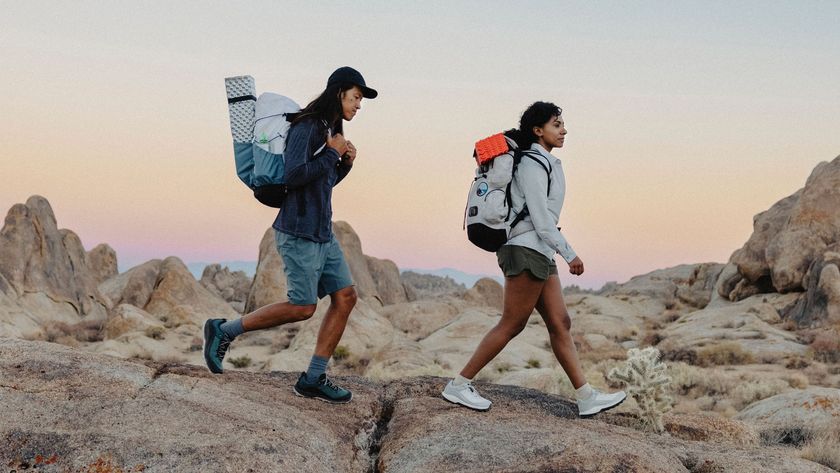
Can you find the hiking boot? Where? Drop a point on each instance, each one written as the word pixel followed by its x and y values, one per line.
pixel 466 395
pixel 216 343
pixel 599 402
pixel 323 389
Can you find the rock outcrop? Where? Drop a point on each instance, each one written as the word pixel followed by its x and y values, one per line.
pixel 801 413
pixel 269 284
pixel 486 291
pixel 167 290
pixel 429 286
pixel 374 278
pixel 790 237
pixel 76 411
pixel 232 286
pixel 38 261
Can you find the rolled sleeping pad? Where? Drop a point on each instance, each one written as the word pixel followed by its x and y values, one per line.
pixel 242 98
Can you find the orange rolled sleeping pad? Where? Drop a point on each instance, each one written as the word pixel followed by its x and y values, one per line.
pixel 490 147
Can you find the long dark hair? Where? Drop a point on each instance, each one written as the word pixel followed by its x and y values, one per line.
pixel 327 107
pixel 537 114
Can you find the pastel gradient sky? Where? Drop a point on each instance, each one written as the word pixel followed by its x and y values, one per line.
pixel 685 118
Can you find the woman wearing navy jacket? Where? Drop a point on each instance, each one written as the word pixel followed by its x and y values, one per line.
pixel 317 157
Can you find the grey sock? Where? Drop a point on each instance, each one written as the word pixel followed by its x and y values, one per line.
pixel 233 328
pixel 317 367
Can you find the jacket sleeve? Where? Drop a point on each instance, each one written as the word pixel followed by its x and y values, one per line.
pixel 533 181
pixel 343 170
pixel 300 170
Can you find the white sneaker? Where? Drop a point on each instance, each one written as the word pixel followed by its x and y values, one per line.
pixel 466 395
pixel 599 402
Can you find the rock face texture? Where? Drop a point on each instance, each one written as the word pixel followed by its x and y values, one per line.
pixel 36 258
pixel 232 286
pixel 486 291
pixel 374 278
pixel 789 238
pixel 806 410
pixel 79 412
pixel 168 290
pixel 269 284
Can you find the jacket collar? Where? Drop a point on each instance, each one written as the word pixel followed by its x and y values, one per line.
pixel 544 152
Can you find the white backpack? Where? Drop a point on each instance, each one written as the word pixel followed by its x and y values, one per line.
pixel 259 127
pixel 489 217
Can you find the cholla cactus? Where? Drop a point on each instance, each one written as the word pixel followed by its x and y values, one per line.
pixel 646 381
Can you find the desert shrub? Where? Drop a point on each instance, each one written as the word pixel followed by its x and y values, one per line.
pixel 647 383
pixel 156 332
pixel 241 362
pixel 796 363
pixel 749 392
pixel 341 352
pixel 533 363
pixel 727 353
pixel 826 347
pixel 502 367
pixel 66 334
pixel 652 338
pixel 824 447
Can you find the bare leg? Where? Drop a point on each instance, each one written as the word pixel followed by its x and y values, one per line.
pixel 552 308
pixel 341 304
pixel 276 314
pixel 521 293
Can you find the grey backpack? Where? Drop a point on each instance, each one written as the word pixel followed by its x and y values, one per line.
pixel 489 217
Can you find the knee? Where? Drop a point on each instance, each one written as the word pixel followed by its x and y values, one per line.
pixel 560 324
pixel 304 312
pixel 511 331
pixel 345 298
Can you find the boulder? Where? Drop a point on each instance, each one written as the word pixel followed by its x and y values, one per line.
pixel 789 237
pixel 127 318
pixel 180 299
pixel 134 286
pixel 78 411
pixel 351 245
pixel 386 277
pixel 102 263
pixel 821 304
pixel 418 319
pixel 486 291
pixel 801 412
pixel 232 286
pixel 167 290
pixel 747 324
pixel 429 286
pixel 689 284
pixel 37 257
pixel 269 284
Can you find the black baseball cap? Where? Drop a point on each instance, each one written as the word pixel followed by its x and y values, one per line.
pixel 349 75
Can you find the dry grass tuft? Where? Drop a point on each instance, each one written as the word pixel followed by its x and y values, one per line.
pixel 727 353
pixel 824 447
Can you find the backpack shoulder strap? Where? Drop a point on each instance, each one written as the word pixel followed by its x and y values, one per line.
pixel 542 163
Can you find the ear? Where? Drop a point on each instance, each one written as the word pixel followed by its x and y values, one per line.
pixel 538 131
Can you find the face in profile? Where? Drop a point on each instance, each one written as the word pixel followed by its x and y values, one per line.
pixel 552 133
pixel 351 102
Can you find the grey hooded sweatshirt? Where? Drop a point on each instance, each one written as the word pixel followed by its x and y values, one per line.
pixel 538 230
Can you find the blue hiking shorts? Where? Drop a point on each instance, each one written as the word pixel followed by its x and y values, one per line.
pixel 312 269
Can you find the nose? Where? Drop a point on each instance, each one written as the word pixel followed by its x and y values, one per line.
pixel 563 131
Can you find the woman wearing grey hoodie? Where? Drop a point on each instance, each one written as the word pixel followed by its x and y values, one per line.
pixel 527 261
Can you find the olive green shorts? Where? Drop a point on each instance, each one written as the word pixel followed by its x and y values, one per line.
pixel 515 259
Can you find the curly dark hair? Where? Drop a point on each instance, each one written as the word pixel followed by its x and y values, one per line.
pixel 537 114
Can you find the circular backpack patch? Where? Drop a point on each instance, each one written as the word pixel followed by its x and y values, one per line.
pixel 482 189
